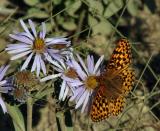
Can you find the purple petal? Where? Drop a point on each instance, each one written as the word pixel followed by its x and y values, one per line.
pixel 65 93
pixel 32 28
pixel 81 99
pixel 62 90
pixel 43 66
pixel 21 39
pixel 34 63
pixel 85 102
pixel 38 65
pixel 16 46
pixel 56 41
pixel 16 51
pixel 82 63
pixel 90 64
pixel 3 70
pixel 20 55
pixel 24 66
pixel 50 77
pixel 2 82
pixel 70 79
pixel 3 105
pixel 78 69
pixel 98 64
pixel 43 30
pixel 26 29
pixel 76 92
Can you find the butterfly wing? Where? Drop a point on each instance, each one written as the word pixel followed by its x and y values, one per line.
pixel 114 84
pixel 104 106
pixel 100 108
pixel 120 59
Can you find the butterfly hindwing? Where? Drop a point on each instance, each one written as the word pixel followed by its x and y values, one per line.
pixel 103 108
pixel 100 108
pixel 128 78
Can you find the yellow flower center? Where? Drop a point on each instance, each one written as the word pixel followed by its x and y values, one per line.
pixel 91 82
pixel 71 73
pixel 39 45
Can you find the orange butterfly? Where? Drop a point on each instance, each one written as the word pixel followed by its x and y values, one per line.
pixel 114 84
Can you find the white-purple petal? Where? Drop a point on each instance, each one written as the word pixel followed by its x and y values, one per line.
pixel 85 102
pixel 16 51
pixel 43 30
pixel 98 64
pixel 21 39
pixel 50 77
pixel 16 46
pixel 63 86
pixel 82 63
pixel 81 99
pixel 57 41
pixel 76 83
pixel 65 93
pixel 4 89
pixel 70 79
pixel 48 57
pixel 26 29
pixel 43 66
pixel 3 105
pixel 3 70
pixel 25 64
pixel 2 82
pixel 20 55
pixel 77 92
pixel 38 65
pixel 90 64
pixel 34 63
pixel 78 69
pixel 32 28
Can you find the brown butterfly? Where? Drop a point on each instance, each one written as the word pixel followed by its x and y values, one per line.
pixel 114 84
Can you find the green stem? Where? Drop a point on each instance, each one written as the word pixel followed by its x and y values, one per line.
pixel 79 27
pixel 29 114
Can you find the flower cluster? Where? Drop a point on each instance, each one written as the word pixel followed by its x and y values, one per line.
pixel 79 78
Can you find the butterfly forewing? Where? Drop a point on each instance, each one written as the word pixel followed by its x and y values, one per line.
pixel 120 59
pixel 114 84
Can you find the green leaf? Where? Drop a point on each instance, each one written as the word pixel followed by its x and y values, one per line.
pixel 105 2
pixel 95 6
pixel 56 2
pixel 73 8
pixel 132 7
pixel 92 20
pixel 37 13
pixel 31 2
pixel 113 7
pixel 69 128
pixel 69 25
pixel 17 117
pixel 103 27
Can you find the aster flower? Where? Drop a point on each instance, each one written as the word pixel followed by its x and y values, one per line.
pixel 3 86
pixel 23 83
pixel 32 44
pixel 64 69
pixel 84 86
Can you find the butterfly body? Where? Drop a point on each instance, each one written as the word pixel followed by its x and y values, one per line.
pixel 114 84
